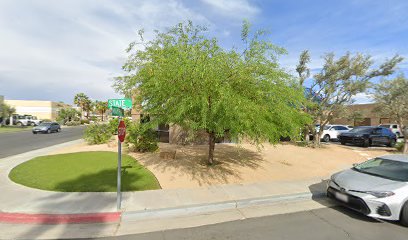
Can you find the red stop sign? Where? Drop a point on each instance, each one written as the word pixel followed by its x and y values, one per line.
pixel 121 131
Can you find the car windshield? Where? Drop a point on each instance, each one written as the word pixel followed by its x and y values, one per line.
pixel 326 127
pixel 361 129
pixel 45 124
pixel 385 168
pixel 386 126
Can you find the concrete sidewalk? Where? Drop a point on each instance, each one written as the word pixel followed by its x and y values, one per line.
pixel 149 206
pixel 16 198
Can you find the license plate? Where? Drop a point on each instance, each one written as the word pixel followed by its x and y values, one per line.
pixel 342 197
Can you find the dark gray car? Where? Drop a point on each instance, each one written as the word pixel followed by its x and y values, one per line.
pixel 47 127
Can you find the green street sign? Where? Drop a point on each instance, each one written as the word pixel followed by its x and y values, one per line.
pixel 124 103
pixel 117 112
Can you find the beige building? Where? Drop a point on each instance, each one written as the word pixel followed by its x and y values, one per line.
pixel 367 116
pixel 40 109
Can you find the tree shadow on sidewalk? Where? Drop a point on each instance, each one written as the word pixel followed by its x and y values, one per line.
pixel 191 161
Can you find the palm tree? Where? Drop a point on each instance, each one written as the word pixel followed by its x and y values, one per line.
pixel 6 112
pixel 101 107
pixel 82 101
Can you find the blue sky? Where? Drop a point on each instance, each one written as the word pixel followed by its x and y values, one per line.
pixel 51 50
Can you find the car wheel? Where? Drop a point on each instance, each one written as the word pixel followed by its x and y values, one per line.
pixel 32 124
pixel 398 135
pixel 366 143
pixel 59 130
pixel 404 215
pixel 49 131
pixel 34 132
pixel 392 143
pixel 326 138
pixel 19 124
pixel 343 142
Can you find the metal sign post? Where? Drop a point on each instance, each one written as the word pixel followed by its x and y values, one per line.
pixel 117 106
pixel 121 138
pixel 119 194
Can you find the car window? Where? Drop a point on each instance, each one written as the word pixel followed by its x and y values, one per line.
pixel 378 131
pixel 385 125
pixel 394 126
pixel 362 130
pixel 341 128
pixel 394 170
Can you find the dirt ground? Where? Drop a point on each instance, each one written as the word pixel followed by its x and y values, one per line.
pixel 242 164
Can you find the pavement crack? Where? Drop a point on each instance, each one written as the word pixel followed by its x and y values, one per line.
pixel 115 232
pixel 333 225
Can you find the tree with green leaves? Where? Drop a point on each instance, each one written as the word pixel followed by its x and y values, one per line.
pixel 337 83
pixel 186 78
pixel 67 115
pixel 391 96
pixel 6 112
pixel 101 107
pixel 82 101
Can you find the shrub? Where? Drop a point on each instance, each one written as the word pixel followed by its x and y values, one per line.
pixel 97 134
pixel 141 137
pixel 84 121
pixel 399 146
pixel 113 124
pixel 94 118
pixel 73 123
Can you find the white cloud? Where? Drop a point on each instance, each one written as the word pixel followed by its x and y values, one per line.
pixel 53 50
pixel 363 98
pixel 234 8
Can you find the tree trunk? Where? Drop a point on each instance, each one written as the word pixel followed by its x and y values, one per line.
pixel 102 116
pixel 306 133
pixel 316 138
pixel 211 147
pixel 405 150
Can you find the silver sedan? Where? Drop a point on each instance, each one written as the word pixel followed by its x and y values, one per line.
pixel 377 188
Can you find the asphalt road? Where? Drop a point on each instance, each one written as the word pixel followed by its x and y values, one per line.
pixel 19 142
pixel 335 223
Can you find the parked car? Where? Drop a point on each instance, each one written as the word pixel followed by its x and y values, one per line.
pixel 47 127
pixel 19 120
pixel 368 135
pixel 331 132
pixel 377 188
pixel 34 121
pixel 395 128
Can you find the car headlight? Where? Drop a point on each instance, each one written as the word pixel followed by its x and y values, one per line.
pixel 381 194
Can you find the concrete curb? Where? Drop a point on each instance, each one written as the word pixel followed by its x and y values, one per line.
pixel 212 207
pixel 23 218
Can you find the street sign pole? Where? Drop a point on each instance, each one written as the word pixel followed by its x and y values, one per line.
pixel 121 138
pixel 119 194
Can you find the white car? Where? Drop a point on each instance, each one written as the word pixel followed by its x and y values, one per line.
pixel 377 188
pixel 333 131
pixel 395 128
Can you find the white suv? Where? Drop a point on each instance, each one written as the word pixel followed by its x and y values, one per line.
pixel 395 128
pixel 333 131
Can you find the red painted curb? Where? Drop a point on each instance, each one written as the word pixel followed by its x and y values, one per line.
pixel 59 218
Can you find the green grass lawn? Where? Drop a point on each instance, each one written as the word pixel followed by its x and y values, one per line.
pixel 83 172
pixel 5 129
